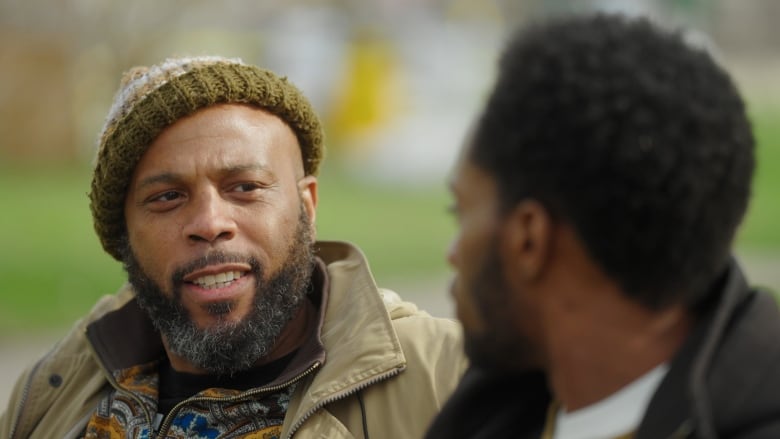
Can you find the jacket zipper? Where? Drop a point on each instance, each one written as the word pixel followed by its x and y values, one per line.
pixel 107 373
pixel 342 395
pixel 111 380
pixel 166 424
pixel 25 394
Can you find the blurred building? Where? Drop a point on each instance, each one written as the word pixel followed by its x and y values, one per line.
pixel 397 82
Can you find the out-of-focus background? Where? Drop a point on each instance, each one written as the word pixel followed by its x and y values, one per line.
pixel 396 82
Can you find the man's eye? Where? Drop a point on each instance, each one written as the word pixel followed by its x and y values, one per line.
pixel 246 187
pixel 166 196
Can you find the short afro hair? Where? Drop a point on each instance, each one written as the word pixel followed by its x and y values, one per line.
pixel 637 140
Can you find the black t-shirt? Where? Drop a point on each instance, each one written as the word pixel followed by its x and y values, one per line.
pixel 178 386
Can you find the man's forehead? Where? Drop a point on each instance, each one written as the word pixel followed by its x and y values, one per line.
pixel 235 120
pixel 468 177
pixel 230 138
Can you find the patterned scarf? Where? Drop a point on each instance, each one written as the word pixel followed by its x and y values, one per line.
pixel 210 414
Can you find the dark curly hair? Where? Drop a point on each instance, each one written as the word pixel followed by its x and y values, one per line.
pixel 636 139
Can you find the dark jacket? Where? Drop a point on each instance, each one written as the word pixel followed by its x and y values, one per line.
pixel 723 383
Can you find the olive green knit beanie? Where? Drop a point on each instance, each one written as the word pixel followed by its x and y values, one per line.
pixel 152 98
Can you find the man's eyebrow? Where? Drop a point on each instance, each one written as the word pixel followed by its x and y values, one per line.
pixel 237 169
pixel 171 177
pixel 166 177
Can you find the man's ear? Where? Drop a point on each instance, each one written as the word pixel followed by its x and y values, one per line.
pixel 528 237
pixel 307 187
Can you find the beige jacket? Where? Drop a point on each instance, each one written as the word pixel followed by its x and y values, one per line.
pixel 400 361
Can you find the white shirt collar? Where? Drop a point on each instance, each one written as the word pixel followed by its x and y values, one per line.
pixel 615 415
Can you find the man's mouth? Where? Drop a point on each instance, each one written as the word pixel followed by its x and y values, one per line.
pixel 219 280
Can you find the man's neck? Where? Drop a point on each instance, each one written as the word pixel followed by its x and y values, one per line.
pixel 600 352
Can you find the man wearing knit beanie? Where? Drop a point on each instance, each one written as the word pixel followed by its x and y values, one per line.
pixel 235 322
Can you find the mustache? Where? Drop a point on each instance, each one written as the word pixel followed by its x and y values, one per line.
pixel 213 258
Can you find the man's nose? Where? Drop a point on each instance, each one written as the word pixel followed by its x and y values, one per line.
pixel 210 218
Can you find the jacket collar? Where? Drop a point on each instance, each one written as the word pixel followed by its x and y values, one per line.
pixel 357 330
pixel 125 337
pixel 682 402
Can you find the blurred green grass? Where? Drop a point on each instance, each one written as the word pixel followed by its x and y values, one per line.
pixel 52 268
pixel 761 229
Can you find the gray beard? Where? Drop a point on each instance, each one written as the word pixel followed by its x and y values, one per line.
pixel 227 346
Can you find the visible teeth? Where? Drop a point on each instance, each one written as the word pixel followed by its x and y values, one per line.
pixel 219 280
